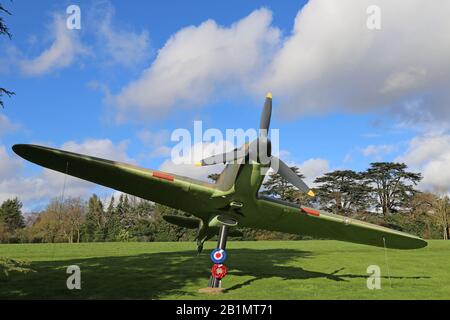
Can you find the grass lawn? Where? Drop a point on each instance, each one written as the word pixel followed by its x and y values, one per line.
pixel 257 270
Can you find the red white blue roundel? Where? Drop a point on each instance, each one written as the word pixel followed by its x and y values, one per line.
pixel 218 255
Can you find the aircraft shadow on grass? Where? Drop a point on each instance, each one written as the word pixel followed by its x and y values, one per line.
pixel 156 275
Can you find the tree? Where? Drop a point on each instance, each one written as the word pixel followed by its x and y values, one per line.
pixel 279 187
pixel 342 191
pixel 94 219
pixel 164 231
pixel 122 209
pixel 61 221
pixel 6 92
pixel 392 184
pixel 8 265
pixel 112 222
pixel 143 221
pixel 11 215
pixel 4 31
pixel 441 206
pixel 435 207
pixel 132 212
pixel 3 28
pixel 73 215
pixel 143 209
pixel 422 204
pixel 46 227
pixel 4 233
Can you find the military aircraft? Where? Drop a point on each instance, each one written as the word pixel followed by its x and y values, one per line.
pixel 232 201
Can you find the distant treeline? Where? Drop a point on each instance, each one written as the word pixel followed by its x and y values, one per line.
pixel 384 194
pixel 75 220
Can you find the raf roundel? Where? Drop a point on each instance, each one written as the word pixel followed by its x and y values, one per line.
pixel 218 256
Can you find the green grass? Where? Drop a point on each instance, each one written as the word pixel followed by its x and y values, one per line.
pixel 257 270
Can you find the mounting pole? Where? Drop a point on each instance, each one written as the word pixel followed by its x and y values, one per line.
pixel 221 244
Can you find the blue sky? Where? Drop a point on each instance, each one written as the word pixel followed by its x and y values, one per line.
pixel 344 95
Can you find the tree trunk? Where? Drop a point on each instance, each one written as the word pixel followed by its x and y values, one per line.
pixel 385 210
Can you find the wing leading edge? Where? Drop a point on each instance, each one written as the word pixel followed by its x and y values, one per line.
pixel 168 189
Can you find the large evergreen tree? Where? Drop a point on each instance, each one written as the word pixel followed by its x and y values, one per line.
pixel 342 191
pixel 121 209
pixel 11 214
pixel 392 185
pixel 112 224
pixel 143 219
pixel 94 220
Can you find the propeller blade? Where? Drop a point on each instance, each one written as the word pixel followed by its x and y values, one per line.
pixel 292 177
pixel 232 155
pixel 266 114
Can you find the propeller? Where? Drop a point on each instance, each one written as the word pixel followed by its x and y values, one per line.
pixel 286 172
pixel 260 150
pixel 266 115
pixel 236 154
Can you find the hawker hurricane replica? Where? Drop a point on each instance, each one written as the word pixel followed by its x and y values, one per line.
pixel 232 201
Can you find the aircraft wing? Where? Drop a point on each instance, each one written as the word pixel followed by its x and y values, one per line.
pixel 275 215
pixel 168 189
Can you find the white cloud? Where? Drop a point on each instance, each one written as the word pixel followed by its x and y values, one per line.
pixel 7 126
pixel 199 63
pixel 44 186
pixel 122 47
pixel 162 151
pixel 408 79
pixel 47 184
pixel 102 148
pixel 64 50
pixel 154 139
pixel 313 168
pixel 430 155
pixel 332 60
pixel 347 158
pixel 113 46
pixel 9 166
pixel 155 142
pixel 9 58
pixel 377 150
